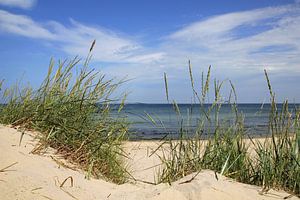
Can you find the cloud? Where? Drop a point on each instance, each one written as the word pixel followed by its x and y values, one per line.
pixel 214 27
pixel 75 39
pixel 23 25
pixel 238 45
pixel 249 40
pixel 25 4
pixel 110 46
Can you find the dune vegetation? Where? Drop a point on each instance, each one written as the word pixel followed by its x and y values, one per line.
pixel 273 162
pixel 71 110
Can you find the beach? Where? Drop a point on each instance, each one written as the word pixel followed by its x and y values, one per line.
pixel 24 175
pixel 150 100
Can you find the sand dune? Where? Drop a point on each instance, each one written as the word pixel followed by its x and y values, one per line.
pixel 39 177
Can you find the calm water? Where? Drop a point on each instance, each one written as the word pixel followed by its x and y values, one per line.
pixel 256 118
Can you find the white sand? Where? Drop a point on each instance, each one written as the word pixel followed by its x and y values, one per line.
pixel 36 177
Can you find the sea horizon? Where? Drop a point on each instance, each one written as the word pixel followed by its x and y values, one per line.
pixel 155 121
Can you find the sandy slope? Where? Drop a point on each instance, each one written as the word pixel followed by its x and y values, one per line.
pixel 38 177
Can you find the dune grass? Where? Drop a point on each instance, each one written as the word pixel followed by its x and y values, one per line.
pixel 71 110
pixel 273 163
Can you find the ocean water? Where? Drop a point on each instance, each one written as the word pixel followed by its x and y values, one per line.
pixel 167 121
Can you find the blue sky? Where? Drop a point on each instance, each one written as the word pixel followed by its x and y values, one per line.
pixel 143 39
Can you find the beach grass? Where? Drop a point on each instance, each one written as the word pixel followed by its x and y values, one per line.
pixel 71 110
pixel 272 162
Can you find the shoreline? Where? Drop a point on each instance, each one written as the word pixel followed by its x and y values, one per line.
pixel 255 136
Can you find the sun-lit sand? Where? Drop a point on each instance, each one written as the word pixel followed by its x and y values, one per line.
pixel 40 177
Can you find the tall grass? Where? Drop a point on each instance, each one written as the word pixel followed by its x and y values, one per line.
pixel 273 162
pixel 277 161
pixel 71 110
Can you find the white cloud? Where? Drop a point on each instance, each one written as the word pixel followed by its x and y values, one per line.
pixel 249 40
pixel 76 38
pixel 216 26
pixel 23 25
pixel 147 58
pixel 237 45
pixel 110 46
pixel 25 4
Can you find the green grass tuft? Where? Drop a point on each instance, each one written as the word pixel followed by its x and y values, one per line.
pixel 273 163
pixel 71 110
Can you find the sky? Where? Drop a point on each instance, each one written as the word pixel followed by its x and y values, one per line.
pixel 140 40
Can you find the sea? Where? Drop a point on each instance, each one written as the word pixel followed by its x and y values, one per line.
pixel 156 121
